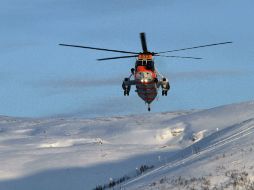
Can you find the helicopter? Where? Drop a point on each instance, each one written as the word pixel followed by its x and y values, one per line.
pixel 145 76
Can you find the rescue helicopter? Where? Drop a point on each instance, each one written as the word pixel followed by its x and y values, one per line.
pixel 145 76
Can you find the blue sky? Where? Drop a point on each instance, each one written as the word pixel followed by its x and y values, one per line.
pixel 38 78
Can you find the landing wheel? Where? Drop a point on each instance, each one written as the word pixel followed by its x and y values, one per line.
pixel 126 93
pixel 164 92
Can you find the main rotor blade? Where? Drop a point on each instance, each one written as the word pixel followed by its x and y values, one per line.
pixel 194 47
pixel 175 56
pixel 121 57
pixel 143 42
pixel 102 49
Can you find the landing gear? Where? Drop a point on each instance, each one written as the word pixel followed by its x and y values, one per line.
pixel 127 82
pixel 164 92
pixel 126 87
pixel 165 86
pixel 126 93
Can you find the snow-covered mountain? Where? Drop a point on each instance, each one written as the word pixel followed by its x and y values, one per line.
pixel 198 149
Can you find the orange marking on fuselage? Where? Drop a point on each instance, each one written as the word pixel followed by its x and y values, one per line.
pixel 144 69
pixel 145 56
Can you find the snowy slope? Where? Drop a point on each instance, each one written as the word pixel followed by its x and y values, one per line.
pixel 76 153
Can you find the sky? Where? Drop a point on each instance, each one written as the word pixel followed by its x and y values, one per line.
pixel 38 78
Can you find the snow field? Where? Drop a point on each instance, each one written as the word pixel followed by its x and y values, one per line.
pixel 76 153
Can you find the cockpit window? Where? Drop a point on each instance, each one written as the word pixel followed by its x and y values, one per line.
pixel 148 63
pixel 139 63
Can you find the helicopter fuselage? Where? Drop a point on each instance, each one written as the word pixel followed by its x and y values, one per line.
pixel 145 78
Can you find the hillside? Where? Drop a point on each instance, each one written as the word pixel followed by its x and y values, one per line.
pixel 205 147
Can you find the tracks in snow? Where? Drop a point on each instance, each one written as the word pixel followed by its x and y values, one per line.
pixel 243 129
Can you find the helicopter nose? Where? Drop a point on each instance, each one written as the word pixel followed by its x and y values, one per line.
pixel 144 77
